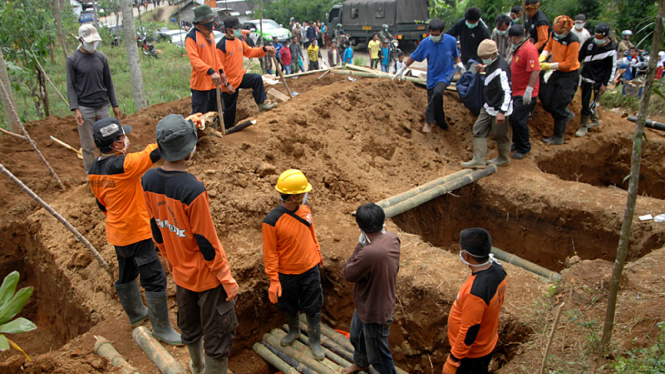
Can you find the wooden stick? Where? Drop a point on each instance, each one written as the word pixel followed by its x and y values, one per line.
pixel 281 76
pixel 58 141
pixel 57 216
pixel 305 73
pixel 12 134
pixel 220 109
pixel 32 143
pixel 549 343
pixel 49 79
pixel 324 74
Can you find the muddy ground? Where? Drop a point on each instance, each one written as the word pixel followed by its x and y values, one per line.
pixel 357 142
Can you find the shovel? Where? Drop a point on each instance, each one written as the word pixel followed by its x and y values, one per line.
pixel 79 153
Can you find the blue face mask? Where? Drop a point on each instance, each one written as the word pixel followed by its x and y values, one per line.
pixel 237 33
pixel 471 25
pixel 435 39
pixel 501 32
pixel 559 36
pixel 599 41
pixel 488 61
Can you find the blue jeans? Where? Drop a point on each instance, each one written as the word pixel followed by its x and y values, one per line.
pixel 287 68
pixel 370 342
pixel 385 68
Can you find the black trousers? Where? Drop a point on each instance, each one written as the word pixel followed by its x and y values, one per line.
pixel 313 65
pixel 589 91
pixel 434 112
pixel 301 292
pixel 478 365
pixel 207 314
pixel 558 92
pixel 252 81
pixel 518 121
pixel 204 101
pixel 141 258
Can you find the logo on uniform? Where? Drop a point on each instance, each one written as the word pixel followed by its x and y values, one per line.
pixel 532 63
pixel 309 218
pixel 172 228
pixel 590 47
pixel 473 35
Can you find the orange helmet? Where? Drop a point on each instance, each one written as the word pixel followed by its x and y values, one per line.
pixel 293 182
pixel 562 24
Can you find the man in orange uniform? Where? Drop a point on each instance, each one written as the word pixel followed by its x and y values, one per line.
pixel 115 179
pixel 537 25
pixel 230 51
pixel 292 255
pixel 183 229
pixel 557 91
pixel 473 323
pixel 207 73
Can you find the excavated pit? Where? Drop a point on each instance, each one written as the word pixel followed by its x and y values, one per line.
pixel 564 232
pixel 605 162
pixel 53 307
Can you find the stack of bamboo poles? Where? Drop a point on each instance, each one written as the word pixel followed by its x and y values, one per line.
pixel 298 358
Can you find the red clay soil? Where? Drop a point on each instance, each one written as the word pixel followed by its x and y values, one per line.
pixel 356 142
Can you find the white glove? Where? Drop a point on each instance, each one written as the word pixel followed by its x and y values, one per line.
pixel 526 99
pixel 462 70
pixel 400 72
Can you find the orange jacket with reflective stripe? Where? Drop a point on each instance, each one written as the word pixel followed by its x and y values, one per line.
pixel 116 183
pixel 566 52
pixel 289 245
pixel 203 57
pixel 230 52
pixel 473 322
pixel 183 230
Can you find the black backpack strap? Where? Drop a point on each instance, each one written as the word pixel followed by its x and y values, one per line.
pixel 294 215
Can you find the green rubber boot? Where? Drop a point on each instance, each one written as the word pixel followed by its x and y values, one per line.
pixel 479 154
pixel 584 121
pixel 504 155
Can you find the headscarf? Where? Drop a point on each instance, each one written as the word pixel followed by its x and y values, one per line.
pixel 562 24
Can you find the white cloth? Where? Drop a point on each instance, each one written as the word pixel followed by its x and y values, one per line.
pixel 581 35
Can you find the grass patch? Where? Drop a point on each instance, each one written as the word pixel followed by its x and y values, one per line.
pixel 615 99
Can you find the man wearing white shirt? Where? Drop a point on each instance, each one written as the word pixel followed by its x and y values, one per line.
pixel 579 29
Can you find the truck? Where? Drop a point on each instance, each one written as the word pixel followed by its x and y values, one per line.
pixel 407 20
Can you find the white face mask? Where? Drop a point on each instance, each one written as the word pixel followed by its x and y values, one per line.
pixel 90 47
pixel 491 259
pixel 579 26
pixel 126 141
pixel 192 153
pixel 364 239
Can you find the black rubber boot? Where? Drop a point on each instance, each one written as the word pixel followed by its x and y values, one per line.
pixel 216 366
pixel 314 327
pixel 294 328
pixel 159 318
pixel 130 298
pixel 196 364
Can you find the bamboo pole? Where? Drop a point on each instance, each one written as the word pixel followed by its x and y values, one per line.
pixel 12 134
pixel 27 137
pixel 329 354
pixel 324 74
pixel 275 360
pixel 305 359
pixel 422 188
pixel 305 73
pixel 105 349
pixel 338 338
pixel 299 366
pixel 49 79
pixel 157 354
pixel 331 345
pixel 59 217
pixel 549 343
pixel 274 60
pixel 363 74
pixel 305 349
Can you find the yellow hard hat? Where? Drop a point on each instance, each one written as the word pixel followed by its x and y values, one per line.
pixel 293 182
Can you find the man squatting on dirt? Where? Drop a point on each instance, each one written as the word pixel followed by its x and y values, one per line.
pixel 115 179
pixel 182 228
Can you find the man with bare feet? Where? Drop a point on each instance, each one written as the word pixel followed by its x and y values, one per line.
pixel 373 268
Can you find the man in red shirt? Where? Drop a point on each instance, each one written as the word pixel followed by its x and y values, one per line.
pixel 292 256
pixel 525 74
pixel 473 322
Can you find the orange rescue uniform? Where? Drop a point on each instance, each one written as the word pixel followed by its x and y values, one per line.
pixel 289 247
pixel 473 322
pixel 116 183
pixel 178 206
pixel 203 57
pixel 565 52
pixel 230 53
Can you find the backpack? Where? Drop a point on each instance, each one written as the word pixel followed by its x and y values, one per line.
pixel 470 88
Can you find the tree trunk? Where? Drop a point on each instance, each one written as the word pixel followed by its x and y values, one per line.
pixel 133 54
pixel 9 98
pixel 94 12
pixel 636 159
pixel 61 35
pixel 43 95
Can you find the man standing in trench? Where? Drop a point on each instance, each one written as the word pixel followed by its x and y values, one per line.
pixel 373 268
pixel 441 53
pixel 90 89
pixel 115 179
pixel 292 257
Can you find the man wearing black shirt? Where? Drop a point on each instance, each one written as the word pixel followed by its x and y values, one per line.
pixel 470 30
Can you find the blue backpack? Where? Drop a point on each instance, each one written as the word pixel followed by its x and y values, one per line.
pixel 470 88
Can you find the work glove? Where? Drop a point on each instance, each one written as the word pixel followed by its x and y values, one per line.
pixel 542 57
pixel 400 72
pixel 275 291
pixel 545 66
pixel 462 70
pixel 451 366
pixel 526 99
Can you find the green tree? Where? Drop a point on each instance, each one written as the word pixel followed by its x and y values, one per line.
pixel 303 10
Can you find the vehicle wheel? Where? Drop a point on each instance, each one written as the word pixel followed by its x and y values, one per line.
pixel 154 53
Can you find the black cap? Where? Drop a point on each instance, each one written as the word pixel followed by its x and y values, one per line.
pixel 516 30
pixel 232 22
pixel 107 130
pixel 580 17
pixel 603 29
